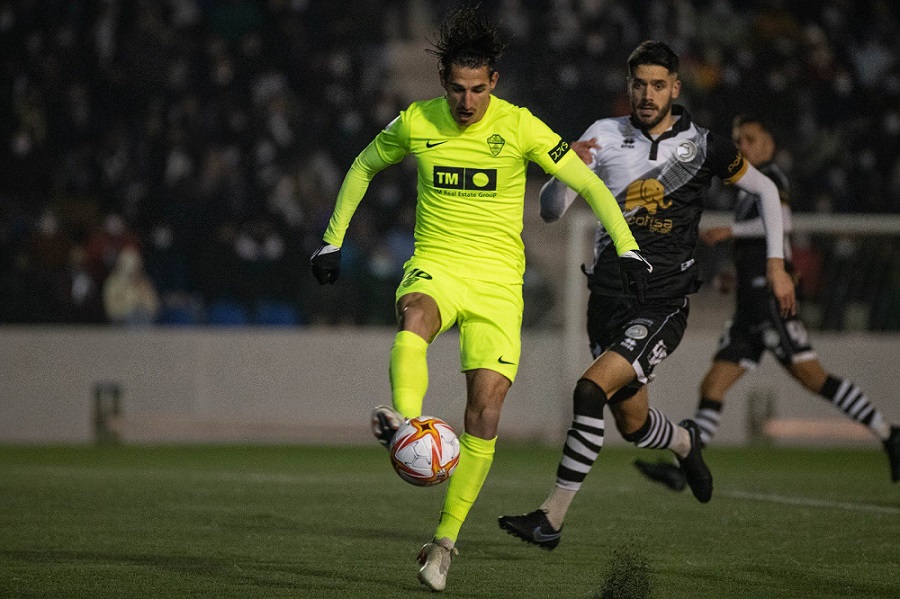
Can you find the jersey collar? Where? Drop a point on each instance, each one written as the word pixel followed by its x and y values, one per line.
pixel 477 126
pixel 681 124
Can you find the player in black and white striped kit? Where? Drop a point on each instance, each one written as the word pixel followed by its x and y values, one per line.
pixel 757 326
pixel 658 163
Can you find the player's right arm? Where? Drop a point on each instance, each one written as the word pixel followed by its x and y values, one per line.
pixel 389 147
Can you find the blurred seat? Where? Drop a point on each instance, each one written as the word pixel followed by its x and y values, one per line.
pixel 226 312
pixel 178 316
pixel 276 313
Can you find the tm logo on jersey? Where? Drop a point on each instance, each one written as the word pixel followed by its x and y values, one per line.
pixel 470 179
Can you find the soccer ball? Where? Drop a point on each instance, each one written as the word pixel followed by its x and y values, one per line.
pixel 424 451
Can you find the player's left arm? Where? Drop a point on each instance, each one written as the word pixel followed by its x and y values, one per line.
pixel 555 196
pixel 552 154
pixel 633 267
pixel 577 176
pixel 753 181
pixel 745 229
pixel 545 147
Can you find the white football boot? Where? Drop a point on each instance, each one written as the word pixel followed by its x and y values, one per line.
pixel 435 558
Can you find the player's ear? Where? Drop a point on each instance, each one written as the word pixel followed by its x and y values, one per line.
pixel 676 88
pixel 494 77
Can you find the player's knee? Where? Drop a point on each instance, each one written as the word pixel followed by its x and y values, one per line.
pixel 810 374
pixel 588 398
pixel 625 393
pixel 713 387
pixel 421 317
pixel 634 428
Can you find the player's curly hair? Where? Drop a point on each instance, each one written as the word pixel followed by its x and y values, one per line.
pixel 469 39
pixel 653 52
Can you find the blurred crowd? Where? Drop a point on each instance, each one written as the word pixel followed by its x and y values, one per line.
pixel 176 161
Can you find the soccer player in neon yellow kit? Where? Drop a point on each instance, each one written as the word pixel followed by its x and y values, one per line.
pixel 472 150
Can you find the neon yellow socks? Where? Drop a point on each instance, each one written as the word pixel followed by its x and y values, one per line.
pixel 475 458
pixel 409 382
pixel 409 373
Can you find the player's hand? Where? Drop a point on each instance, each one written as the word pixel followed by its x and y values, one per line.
pixel 724 282
pixel 782 286
pixel 583 149
pixel 715 235
pixel 326 264
pixel 635 270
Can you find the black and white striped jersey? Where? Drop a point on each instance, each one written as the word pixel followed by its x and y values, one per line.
pixel 660 185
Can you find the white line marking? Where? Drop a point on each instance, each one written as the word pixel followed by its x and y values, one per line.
pixel 809 502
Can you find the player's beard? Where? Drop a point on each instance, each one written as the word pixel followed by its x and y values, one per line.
pixel 660 115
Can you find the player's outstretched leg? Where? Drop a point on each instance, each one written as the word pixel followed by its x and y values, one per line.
pixel 533 528
pixel 667 474
pixel 892 447
pixel 697 473
pixel 385 422
pixel 584 441
pixel 435 558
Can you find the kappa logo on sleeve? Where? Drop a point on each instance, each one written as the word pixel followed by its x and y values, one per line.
pixel 559 150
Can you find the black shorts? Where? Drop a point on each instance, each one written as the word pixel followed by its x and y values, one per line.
pixel 644 334
pixel 757 326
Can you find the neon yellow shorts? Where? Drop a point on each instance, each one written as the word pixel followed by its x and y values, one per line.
pixel 489 315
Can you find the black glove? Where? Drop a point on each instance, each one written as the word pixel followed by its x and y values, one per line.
pixel 326 264
pixel 635 269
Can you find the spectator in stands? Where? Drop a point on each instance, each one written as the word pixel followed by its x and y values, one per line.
pixel 106 243
pixel 194 111
pixel 129 296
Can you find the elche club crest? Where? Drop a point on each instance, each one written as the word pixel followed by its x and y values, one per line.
pixel 495 143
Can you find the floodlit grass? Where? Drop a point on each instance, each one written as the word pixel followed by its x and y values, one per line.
pixel 211 521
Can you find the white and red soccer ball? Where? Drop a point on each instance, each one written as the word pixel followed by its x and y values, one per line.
pixel 424 451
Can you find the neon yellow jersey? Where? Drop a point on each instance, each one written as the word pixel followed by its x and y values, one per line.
pixel 471 184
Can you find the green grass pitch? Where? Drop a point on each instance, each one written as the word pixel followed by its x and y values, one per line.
pixel 260 521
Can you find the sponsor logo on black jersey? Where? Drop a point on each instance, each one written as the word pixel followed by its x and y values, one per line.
pixel 735 166
pixel 471 179
pixel 559 150
pixel 648 193
pixel 495 143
